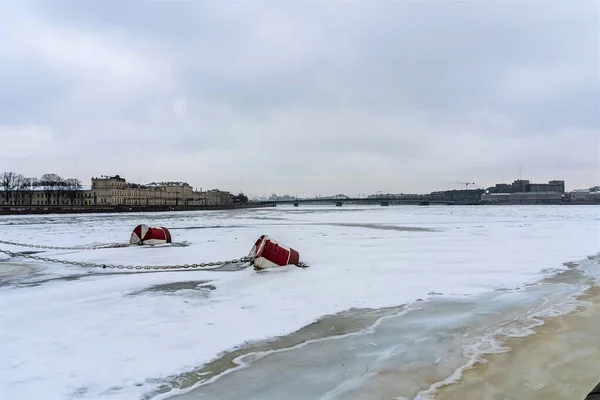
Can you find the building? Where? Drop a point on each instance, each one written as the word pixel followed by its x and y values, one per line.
pixel 500 188
pixel 116 191
pixel 557 186
pixel 457 196
pixel 525 192
pixel 40 195
pixel 584 196
pixel 523 198
pixel 525 186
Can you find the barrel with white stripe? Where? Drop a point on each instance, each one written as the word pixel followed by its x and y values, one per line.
pixel 149 235
pixel 267 253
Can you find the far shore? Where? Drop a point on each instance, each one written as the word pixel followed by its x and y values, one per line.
pixel 95 209
pixel 80 209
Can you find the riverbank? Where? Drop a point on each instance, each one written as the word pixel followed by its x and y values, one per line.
pixel 560 361
pixel 106 209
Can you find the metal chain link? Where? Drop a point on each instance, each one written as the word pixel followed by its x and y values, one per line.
pixel 130 267
pixel 35 246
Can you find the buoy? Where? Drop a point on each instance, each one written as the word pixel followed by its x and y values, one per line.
pixel 267 253
pixel 149 235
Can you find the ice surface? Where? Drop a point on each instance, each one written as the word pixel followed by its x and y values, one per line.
pixel 106 336
pixel 395 356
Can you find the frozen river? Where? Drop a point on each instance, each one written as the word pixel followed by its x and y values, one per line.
pixel 397 300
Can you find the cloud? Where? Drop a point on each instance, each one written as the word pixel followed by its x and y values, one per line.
pixel 303 99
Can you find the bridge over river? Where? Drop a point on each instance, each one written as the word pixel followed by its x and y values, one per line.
pixel 339 201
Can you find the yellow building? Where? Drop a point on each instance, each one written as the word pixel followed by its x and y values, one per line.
pixel 116 191
pixel 39 196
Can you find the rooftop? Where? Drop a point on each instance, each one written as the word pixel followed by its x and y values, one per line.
pixel 172 184
pixel 106 177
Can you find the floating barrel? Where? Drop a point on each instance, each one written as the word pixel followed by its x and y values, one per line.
pixel 267 253
pixel 149 235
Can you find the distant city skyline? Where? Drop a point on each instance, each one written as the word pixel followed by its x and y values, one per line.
pixel 442 186
pixel 302 98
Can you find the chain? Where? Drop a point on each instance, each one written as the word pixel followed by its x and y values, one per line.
pixel 35 246
pixel 136 267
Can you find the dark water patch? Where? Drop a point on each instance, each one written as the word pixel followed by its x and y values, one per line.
pixel 80 392
pixel 201 286
pixel 12 272
pixel 347 322
pixel 569 276
pixel 57 279
pixel 112 391
pixel 189 228
pixel 181 244
pixel 32 276
pixel 38 278
pixel 332 210
pixel 570 265
pixel 26 253
pixel 383 227
pixel 507 290
pixel 268 218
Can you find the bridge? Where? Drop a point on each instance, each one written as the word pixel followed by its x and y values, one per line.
pixel 383 201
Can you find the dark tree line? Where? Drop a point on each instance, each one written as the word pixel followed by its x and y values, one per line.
pixel 18 189
pixel 240 198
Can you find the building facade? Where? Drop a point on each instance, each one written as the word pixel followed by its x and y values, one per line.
pixel 525 186
pixel 457 196
pixel 116 191
pixel 524 192
pixel 39 196
pixel 523 198
pixel 591 195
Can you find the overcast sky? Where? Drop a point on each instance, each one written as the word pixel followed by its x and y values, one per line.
pixel 302 98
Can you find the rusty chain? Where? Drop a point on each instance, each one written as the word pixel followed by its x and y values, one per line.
pixel 204 266
pixel 35 246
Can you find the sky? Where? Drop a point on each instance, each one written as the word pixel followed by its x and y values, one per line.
pixel 302 98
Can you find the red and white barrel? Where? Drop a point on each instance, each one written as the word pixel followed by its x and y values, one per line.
pixel 149 235
pixel 267 253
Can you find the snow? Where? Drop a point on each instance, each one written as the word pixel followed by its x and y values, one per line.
pixel 103 337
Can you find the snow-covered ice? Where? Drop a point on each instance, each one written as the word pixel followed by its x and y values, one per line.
pixel 107 336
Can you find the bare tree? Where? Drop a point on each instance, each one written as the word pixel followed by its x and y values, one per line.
pixel 27 187
pixel 73 188
pixel 18 195
pixel 51 183
pixel 8 182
